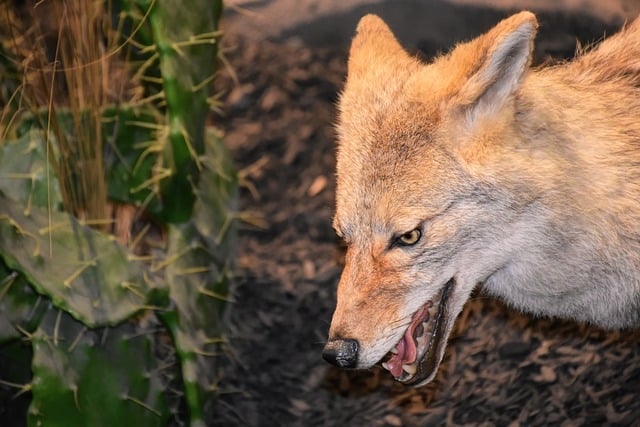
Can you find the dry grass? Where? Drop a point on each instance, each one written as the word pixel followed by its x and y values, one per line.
pixel 62 54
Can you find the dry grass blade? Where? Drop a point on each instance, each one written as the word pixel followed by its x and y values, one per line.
pixel 80 49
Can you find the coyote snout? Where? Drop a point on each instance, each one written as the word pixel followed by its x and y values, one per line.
pixel 475 169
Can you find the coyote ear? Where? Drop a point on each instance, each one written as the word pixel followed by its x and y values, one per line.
pixel 375 55
pixel 501 59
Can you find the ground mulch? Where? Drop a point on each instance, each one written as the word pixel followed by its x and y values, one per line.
pixel 501 367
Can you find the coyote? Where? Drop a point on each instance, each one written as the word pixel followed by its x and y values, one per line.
pixel 475 169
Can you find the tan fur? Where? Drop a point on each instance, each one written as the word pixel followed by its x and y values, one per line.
pixel 526 181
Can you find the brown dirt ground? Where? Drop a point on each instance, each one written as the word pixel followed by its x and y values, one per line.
pixel 501 367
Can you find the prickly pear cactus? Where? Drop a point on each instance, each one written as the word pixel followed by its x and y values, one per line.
pixel 78 296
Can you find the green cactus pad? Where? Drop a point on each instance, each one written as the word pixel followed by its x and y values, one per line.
pixel 24 172
pixel 84 272
pixel 104 377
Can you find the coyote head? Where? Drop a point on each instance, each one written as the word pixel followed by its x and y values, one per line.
pixel 423 227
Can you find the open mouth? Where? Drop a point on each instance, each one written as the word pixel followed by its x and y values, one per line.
pixel 417 355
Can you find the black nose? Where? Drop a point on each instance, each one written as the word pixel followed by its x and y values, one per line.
pixel 342 353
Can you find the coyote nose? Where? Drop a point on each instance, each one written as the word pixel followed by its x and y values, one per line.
pixel 342 353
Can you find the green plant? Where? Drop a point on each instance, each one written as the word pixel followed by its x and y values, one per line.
pixel 96 308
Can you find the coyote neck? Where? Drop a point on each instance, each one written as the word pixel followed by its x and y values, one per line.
pixel 579 253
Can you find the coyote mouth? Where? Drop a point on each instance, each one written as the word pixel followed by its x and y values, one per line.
pixel 417 355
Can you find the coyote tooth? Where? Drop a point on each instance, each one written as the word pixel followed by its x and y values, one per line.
pixel 410 369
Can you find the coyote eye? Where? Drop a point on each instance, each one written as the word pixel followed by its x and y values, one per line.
pixel 410 238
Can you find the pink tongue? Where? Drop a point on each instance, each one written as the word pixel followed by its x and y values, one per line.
pixel 406 347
